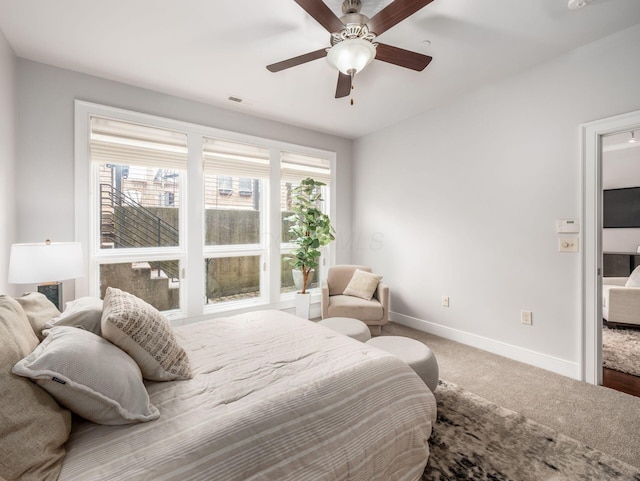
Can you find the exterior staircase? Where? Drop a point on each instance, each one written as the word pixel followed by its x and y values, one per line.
pixel 125 223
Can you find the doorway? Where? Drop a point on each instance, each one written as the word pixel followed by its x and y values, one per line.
pixel 593 135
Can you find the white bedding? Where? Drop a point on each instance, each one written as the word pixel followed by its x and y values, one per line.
pixel 273 397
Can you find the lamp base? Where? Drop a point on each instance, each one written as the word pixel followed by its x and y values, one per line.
pixel 53 292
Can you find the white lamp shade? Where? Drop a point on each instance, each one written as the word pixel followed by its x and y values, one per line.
pixel 352 55
pixel 45 262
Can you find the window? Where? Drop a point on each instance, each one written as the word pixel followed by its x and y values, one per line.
pixel 225 185
pixel 226 251
pixel 293 169
pixel 167 199
pixel 245 187
pixel 233 244
pixel 139 175
pixel 232 279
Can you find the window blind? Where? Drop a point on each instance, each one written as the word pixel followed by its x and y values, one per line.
pixel 297 167
pixel 123 143
pixel 226 158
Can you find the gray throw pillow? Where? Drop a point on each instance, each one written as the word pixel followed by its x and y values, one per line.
pixel 39 310
pixel 90 376
pixel 84 312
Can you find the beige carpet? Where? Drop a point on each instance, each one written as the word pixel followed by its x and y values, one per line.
pixel 599 417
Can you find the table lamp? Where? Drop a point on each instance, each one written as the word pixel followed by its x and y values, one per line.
pixel 47 263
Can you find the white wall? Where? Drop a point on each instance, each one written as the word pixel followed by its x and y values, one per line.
pixel 462 201
pixel 621 168
pixel 8 68
pixel 45 144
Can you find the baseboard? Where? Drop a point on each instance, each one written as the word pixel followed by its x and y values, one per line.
pixel 544 361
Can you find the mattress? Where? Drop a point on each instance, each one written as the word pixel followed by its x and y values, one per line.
pixel 273 397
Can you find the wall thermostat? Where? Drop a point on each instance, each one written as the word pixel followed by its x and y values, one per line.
pixel 568 226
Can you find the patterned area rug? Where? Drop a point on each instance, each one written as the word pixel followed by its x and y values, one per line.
pixel 621 349
pixel 475 439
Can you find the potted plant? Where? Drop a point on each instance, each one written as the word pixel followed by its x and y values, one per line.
pixel 311 229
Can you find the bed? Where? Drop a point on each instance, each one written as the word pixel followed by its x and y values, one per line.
pixel 272 397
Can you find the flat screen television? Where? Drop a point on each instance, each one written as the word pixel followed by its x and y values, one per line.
pixel 621 208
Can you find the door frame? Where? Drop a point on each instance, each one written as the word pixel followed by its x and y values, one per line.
pixel 591 137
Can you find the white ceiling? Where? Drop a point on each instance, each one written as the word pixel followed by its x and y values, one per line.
pixel 208 50
pixel 621 141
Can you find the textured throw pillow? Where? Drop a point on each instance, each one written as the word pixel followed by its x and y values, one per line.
pixel 39 310
pixel 84 312
pixel 33 427
pixel 362 284
pixel 145 334
pixel 634 278
pixel 90 376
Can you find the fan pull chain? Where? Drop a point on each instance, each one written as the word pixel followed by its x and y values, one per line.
pixel 352 87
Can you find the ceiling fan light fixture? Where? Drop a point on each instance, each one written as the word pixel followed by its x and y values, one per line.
pixel 351 55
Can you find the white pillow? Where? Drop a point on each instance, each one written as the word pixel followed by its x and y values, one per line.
pixel 145 334
pixel 634 278
pixel 362 284
pixel 89 376
pixel 84 312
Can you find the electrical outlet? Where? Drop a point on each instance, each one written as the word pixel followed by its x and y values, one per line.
pixel 526 317
pixel 445 301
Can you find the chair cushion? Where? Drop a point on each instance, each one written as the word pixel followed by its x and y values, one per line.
pixel 339 276
pixel 355 307
pixel 363 284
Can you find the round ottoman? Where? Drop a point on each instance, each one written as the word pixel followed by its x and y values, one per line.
pixel 419 357
pixel 349 327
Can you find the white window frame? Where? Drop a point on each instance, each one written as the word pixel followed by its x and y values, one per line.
pixel 191 250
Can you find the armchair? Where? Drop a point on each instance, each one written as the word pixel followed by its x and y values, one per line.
pixel 620 304
pixel 374 313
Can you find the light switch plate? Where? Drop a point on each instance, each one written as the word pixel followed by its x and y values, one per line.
pixel 568 226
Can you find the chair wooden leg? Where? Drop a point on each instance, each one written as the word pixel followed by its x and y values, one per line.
pixel 375 330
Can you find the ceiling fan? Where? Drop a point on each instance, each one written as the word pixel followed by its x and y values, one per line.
pixel 352 36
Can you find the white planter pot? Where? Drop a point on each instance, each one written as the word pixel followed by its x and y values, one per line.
pixel 303 305
pixel 297 278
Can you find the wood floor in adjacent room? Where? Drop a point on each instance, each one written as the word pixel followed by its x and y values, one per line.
pixel 621 381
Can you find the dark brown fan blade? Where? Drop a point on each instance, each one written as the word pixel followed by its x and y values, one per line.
pixel 322 14
pixel 394 13
pixel 402 57
pixel 344 85
pixel 300 59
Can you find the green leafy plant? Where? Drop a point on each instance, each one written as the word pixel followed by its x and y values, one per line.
pixel 311 228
